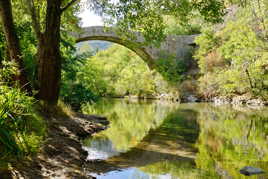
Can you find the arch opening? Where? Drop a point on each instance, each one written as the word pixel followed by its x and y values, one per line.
pixel 140 51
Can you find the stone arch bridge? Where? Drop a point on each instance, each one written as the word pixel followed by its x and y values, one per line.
pixel 178 45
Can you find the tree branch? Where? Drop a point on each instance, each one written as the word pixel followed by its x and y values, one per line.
pixel 34 17
pixel 68 5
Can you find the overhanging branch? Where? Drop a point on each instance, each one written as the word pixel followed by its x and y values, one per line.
pixel 68 5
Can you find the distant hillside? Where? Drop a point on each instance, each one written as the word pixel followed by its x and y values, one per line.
pixel 94 45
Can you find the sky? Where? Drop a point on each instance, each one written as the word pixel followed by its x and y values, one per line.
pixel 90 19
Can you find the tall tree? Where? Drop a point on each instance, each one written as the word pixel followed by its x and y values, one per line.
pixel 49 57
pixel 13 45
pixel 49 67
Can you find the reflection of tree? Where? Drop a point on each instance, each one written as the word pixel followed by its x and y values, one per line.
pixel 236 139
pixel 130 122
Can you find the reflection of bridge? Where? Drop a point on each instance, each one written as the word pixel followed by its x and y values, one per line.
pixel 171 142
pixel 180 46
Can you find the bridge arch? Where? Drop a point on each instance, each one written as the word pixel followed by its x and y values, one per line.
pixel 140 51
pixel 180 46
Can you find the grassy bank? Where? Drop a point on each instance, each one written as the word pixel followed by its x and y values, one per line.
pixel 22 129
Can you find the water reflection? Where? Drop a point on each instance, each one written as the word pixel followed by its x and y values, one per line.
pixel 130 173
pixel 130 121
pixel 154 140
pixel 234 140
pixel 100 149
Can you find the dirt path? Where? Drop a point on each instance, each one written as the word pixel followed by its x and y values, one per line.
pixel 61 156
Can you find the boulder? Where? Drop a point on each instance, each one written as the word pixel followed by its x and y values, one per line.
pixel 251 171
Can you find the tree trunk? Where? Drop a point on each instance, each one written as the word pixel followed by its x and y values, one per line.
pixel 49 69
pixel 13 43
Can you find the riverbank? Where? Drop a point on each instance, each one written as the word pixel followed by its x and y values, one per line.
pixel 62 155
pixel 240 100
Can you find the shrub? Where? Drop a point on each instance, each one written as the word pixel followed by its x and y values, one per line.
pixel 21 128
pixel 207 42
pixel 73 90
pixel 170 68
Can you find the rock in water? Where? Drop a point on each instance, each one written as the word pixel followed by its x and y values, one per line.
pixel 251 171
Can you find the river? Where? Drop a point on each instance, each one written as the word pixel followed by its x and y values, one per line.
pixel 162 140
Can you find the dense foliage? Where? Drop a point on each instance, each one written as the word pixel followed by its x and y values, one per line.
pixel 171 69
pixel 118 71
pixel 21 128
pixel 131 15
pixel 233 59
pixel 174 26
pixel 73 90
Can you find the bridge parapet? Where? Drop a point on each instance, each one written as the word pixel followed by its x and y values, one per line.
pixel 105 32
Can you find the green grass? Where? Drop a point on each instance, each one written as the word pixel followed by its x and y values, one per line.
pixel 21 127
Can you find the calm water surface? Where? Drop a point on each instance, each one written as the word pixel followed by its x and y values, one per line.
pixel 161 140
